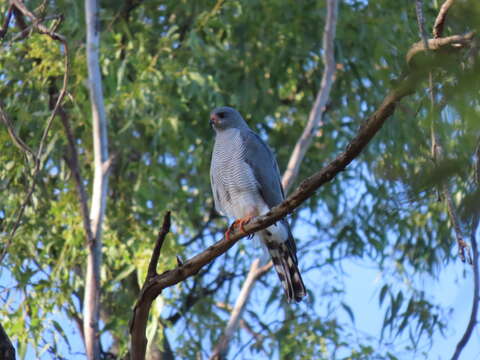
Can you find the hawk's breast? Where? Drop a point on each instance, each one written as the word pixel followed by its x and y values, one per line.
pixel 234 186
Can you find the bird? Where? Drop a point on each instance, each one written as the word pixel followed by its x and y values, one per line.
pixel 245 181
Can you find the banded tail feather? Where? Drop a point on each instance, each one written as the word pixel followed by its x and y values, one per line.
pixel 285 262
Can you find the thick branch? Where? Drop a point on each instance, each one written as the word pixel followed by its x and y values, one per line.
pixel 454 41
pixel 315 116
pixel 306 189
pixel 440 20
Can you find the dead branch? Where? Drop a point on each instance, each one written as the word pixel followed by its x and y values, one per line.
pixel 440 20
pixel 138 324
pixel 152 266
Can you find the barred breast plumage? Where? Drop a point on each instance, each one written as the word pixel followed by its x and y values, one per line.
pixel 233 183
pixel 246 182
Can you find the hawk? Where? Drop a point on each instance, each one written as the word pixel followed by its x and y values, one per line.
pixel 245 183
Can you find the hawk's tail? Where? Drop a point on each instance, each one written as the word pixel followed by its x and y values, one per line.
pixel 285 261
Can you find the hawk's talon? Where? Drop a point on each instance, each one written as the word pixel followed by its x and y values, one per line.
pixel 239 222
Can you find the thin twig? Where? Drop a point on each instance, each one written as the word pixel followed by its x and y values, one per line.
pixel 152 266
pixel 437 149
pixel 42 29
pixel 440 20
pixel 6 22
pixel 17 141
pixel 476 292
pixel 438 156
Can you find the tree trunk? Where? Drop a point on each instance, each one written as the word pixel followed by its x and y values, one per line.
pixel 100 184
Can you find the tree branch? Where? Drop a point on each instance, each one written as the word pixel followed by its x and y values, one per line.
pixel 220 350
pixel 315 116
pixel 138 324
pixel 476 293
pixel 306 189
pixel 440 20
pixel 100 183
pixel 152 266
pixel 476 276
pixel 17 141
pixel 437 148
pixel 74 166
pixel 452 42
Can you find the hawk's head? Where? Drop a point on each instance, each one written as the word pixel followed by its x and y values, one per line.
pixel 225 117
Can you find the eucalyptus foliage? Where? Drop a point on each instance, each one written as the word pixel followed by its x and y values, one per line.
pixel 165 65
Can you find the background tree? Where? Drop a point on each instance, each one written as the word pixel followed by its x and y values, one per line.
pixel 164 66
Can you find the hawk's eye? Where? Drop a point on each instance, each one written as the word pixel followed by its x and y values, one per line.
pixel 221 115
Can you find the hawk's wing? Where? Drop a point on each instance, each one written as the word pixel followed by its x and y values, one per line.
pixel 265 169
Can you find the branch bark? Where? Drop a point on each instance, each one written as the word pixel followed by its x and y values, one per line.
pixel 440 20
pixel 452 42
pixel 138 324
pixel 100 184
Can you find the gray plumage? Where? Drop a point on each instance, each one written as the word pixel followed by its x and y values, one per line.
pixel 246 182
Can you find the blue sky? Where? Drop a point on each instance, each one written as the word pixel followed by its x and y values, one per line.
pixel 453 289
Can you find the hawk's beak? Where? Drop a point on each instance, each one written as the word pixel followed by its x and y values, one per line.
pixel 213 120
